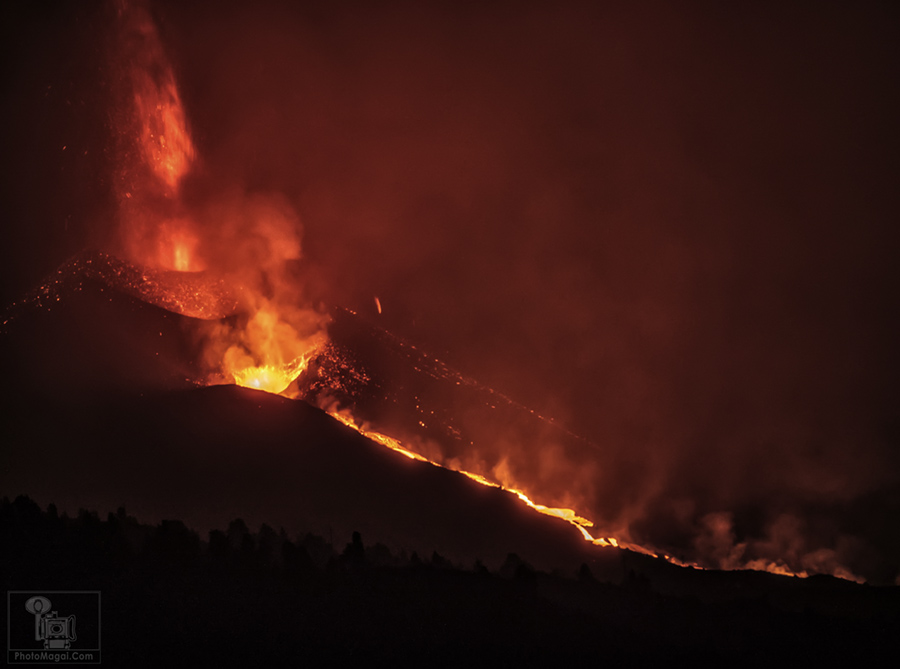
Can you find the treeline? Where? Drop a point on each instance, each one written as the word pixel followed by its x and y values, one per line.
pixel 246 598
pixel 59 547
pixel 261 598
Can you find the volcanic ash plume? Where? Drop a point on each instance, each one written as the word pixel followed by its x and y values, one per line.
pixel 250 242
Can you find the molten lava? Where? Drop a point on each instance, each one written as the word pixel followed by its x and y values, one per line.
pixel 156 151
pixel 164 138
pixel 567 515
pixel 158 117
pixel 267 353
pixel 177 247
pixel 273 378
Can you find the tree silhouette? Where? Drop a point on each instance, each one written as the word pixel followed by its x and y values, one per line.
pixel 354 554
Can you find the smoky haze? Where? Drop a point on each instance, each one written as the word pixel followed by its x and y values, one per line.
pixel 671 229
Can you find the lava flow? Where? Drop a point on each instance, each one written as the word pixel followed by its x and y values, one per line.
pixel 582 524
pixel 568 515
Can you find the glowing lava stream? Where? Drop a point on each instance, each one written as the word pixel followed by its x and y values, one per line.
pixel 277 378
pixel 565 514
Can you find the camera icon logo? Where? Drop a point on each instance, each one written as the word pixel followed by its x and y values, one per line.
pixel 55 631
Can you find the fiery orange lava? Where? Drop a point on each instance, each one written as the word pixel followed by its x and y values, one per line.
pixel 157 152
pixel 162 134
pixel 272 378
pixel 164 137
pixel 268 353
pixel 567 515
pixel 177 247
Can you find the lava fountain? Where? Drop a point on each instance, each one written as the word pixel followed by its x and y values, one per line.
pixel 245 243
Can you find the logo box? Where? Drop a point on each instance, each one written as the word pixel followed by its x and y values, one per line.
pixel 53 626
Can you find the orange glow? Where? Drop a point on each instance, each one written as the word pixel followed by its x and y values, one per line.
pixel 157 123
pixel 267 353
pixel 244 250
pixel 164 139
pixel 775 568
pixel 383 439
pixel 162 134
pixel 567 515
pixel 182 257
pixel 157 150
pixel 271 378
pixel 176 247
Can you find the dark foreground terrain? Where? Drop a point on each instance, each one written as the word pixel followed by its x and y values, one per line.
pixel 263 598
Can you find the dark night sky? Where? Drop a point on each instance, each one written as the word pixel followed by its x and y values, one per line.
pixel 672 227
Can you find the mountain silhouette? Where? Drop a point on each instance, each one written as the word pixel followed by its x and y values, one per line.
pixel 104 409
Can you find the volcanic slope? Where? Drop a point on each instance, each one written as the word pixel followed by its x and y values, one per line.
pixel 391 387
pixel 103 409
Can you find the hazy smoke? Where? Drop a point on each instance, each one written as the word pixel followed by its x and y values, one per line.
pixel 670 228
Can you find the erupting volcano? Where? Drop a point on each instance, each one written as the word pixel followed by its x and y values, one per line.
pixel 672 340
pixel 245 242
